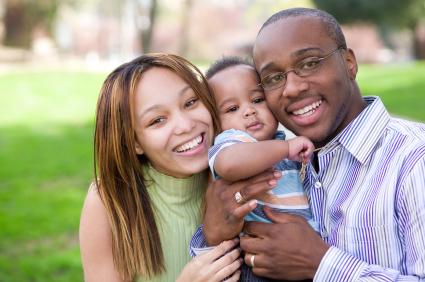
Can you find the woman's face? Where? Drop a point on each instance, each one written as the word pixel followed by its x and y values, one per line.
pixel 174 130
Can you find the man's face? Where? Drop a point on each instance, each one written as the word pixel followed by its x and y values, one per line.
pixel 318 106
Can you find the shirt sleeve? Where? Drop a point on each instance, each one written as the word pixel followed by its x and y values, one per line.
pixel 337 265
pixel 198 245
pixel 225 139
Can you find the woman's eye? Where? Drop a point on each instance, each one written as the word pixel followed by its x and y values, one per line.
pixel 156 121
pixel 258 100
pixel 190 103
pixel 232 109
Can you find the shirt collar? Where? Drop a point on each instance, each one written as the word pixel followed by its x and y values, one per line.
pixel 364 132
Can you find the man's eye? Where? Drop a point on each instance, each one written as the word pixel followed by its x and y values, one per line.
pixel 232 109
pixel 156 121
pixel 275 78
pixel 310 65
pixel 190 103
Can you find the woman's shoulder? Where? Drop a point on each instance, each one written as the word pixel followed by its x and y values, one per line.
pixel 95 239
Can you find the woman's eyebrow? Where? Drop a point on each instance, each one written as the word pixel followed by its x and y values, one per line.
pixel 146 111
pixel 184 89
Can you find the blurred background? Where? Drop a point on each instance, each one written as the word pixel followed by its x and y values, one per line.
pixel 55 54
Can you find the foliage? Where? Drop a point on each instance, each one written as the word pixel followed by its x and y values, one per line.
pixel 378 11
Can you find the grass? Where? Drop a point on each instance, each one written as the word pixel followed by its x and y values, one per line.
pixel 46 127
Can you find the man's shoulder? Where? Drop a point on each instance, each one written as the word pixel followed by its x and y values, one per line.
pixel 407 140
pixel 414 131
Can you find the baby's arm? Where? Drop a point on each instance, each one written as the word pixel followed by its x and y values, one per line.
pixel 243 160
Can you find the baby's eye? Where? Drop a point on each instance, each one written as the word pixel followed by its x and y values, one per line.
pixel 156 121
pixel 257 100
pixel 232 109
pixel 190 103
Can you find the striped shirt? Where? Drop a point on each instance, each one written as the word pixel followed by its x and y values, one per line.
pixel 369 199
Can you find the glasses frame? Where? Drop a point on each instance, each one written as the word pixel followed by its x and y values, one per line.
pixel 284 73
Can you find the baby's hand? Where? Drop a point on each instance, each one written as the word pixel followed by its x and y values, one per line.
pixel 300 145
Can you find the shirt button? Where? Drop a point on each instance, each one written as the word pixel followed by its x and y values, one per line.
pixel 325 234
pixel 318 185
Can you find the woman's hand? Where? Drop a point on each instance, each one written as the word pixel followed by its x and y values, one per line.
pixel 209 267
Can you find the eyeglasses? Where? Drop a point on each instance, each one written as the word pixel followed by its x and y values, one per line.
pixel 304 68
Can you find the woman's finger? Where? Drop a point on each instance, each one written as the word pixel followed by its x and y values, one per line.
pixel 229 270
pixel 235 277
pixel 228 259
pixel 220 250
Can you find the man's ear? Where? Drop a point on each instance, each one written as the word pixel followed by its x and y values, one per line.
pixel 139 149
pixel 352 66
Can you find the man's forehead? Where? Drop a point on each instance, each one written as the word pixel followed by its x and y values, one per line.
pixel 295 36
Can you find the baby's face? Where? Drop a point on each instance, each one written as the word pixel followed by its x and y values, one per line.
pixel 241 102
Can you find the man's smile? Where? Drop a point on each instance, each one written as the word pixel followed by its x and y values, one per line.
pixel 308 110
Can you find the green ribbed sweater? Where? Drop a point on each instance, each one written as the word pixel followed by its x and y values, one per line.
pixel 178 202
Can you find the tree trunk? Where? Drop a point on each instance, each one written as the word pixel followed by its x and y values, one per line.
pixel 184 43
pixel 419 41
pixel 18 31
pixel 147 34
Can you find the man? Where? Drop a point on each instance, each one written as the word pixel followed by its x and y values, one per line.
pixel 366 184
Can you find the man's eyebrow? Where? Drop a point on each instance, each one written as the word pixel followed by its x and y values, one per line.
pixel 302 51
pixel 293 56
pixel 226 101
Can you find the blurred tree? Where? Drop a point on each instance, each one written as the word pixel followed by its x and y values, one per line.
pixel 385 13
pixel 184 43
pixel 22 16
pixel 147 26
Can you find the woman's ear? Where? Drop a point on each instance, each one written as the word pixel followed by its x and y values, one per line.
pixel 139 149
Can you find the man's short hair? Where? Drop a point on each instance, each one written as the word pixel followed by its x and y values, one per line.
pixel 226 62
pixel 329 23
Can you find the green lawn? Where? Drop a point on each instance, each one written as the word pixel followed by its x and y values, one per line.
pixel 46 127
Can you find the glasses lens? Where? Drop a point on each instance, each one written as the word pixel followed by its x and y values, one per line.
pixel 273 81
pixel 308 66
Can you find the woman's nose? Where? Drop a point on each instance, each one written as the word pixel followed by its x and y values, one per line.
pixel 184 124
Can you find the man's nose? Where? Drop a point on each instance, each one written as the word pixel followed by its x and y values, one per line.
pixel 294 85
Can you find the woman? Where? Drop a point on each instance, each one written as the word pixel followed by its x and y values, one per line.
pixel 155 122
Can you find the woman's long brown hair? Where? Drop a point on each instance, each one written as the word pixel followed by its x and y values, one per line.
pixel 136 245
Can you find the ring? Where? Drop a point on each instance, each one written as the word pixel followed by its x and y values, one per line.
pixel 252 260
pixel 239 198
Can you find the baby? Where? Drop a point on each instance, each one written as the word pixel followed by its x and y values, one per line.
pixel 250 144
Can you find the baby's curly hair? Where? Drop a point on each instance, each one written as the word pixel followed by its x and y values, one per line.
pixel 226 62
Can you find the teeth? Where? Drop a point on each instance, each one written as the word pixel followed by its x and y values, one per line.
pixel 308 110
pixel 190 145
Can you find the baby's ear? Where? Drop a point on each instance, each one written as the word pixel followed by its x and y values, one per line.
pixel 138 149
